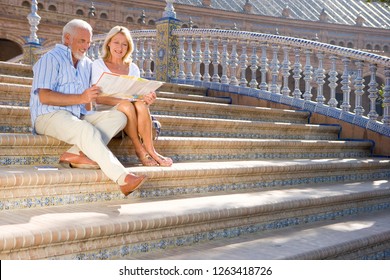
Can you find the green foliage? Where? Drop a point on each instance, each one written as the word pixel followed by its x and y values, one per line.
pixel 386 2
pixel 381 93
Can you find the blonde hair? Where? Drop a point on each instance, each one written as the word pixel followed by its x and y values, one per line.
pixel 106 49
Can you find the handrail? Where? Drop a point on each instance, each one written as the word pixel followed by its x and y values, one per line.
pixel 285 40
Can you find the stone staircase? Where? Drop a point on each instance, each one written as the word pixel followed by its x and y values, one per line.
pixel 247 183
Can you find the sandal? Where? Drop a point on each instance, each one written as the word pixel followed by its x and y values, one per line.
pixel 165 161
pixel 147 160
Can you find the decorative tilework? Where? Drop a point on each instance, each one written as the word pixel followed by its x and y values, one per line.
pixel 334 113
pixel 347 117
pixel 132 250
pixel 360 121
pixel 94 196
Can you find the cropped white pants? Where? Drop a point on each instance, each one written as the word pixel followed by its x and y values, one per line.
pixel 90 134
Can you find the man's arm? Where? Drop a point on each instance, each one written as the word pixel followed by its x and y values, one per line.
pixel 49 97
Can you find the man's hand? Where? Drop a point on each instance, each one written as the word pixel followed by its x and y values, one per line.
pixel 90 94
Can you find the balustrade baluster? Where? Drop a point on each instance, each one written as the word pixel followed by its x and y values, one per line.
pixel 198 59
pixel 308 72
pixel 274 69
pixel 141 57
pixel 135 50
pixel 297 73
pixel 333 81
pixel 206 60
pixel 253 83
pixel 346 88
pixel 373 90
pixel 149 59
pixel 181 58
pixel 320 78
pixel 189 59
pixel 286 71
pixel 91 51
pixel 264 66
pixel 359 86
pixel 386 98
pixel 215 60
pixel 233 64
pixel 243 64
pixel 224 61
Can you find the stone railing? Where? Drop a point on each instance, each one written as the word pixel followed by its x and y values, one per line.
pixel 302 73
pixel 344 83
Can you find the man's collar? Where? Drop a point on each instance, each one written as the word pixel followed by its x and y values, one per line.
pixel 66 49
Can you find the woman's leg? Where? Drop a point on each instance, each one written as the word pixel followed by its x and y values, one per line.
pixel 145 131
pixel 131 130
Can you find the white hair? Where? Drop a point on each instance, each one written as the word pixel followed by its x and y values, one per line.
pixel 73 25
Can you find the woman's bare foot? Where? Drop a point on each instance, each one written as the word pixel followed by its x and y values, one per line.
pixel 162 161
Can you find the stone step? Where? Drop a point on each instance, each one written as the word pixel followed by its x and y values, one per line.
pixel 167 106
pixel 19 95
pixel 131 228
pixel 15 90
pixel 228 128
pixel 16 119
pixel 28 187
pixel 14 95
pixel 183 89
pixel 28 149
pixel 185 96
pixel 16 69
pixel 362 237
pixel 17 80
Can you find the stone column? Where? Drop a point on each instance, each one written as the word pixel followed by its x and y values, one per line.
pixel 166 61
pixel 33 44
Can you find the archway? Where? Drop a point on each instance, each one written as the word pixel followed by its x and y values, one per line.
pixel 9 49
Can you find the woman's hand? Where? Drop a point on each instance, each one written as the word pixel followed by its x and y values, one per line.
pixel 150 98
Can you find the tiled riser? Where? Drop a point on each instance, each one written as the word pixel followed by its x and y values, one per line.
pixel 31 150
pixel 132 244
pixel 54 188
pixel 17 122
pixel 199 155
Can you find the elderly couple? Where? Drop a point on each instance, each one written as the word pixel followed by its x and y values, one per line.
pixel 63 90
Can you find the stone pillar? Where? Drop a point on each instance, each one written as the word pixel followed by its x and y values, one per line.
pixel 29 55
pixel 166 62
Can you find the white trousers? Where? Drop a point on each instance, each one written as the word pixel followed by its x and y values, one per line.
pixel 90 135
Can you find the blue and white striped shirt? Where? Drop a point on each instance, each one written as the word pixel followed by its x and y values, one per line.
pixel 55 71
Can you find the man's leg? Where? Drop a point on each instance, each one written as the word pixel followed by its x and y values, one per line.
pixel 88 138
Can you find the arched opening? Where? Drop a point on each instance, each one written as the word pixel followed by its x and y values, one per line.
pixel 80 12
pixel 52 8
pixel 9 49
pixel 26 4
